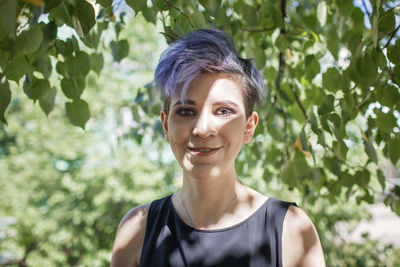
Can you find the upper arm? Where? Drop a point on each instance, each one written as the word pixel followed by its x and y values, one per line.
pixel 130 236
pixel 300 242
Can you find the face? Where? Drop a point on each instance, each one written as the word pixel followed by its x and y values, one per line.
pixel 207 130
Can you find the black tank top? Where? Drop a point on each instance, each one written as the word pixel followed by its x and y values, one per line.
pixel 254 242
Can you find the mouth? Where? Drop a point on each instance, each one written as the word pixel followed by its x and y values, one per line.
pixel 203 151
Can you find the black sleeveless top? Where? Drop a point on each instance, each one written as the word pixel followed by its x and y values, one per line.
pixel 254 242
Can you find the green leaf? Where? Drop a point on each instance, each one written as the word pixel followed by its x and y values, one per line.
pixel 281 43
pixel 381 178
pixel 348 109
pixel 370 150
pixel 119 49
pixel 332 164
pixel 61 68
pixel 288 174
pixel 396 75
pixel 97 62
pixel 362 178
pixel 160 4
pixel 43 65
pixel 36 88
pixel 375 30
pixel 312 67
pixel 3 60
pixel 79 65
pixel 393 147
pixel 314 123
pixel 249 14
pixel 16 68
pixel 367 68
pixel 5 99
pixel 47 100
pixel 346 179
pixel 327 106
pixel 29 40
pixel 62 13
pixel 50 4
pixel 49 31
pixel 64 48
pixel 393 52
pixel 8 17
pixel 385 121
pixel 388 95
pixel 331 79
pixel 322 13
pixel 303 140
pixel 387 22
pixel 340 149
pixel 198 19
pixel 354 42
pixel 150 14
pixel 83 17
pixel 78 112
pixel 137 5
pixel 104 3
pixel 73 88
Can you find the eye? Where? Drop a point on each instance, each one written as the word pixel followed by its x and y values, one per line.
pixel 224 111
pixel 185 112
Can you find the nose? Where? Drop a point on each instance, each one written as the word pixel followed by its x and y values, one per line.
pixel 204 126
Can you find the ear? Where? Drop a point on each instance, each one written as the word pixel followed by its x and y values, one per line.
pixel 251 125
pixel 164 121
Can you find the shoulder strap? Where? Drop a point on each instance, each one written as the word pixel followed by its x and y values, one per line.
pixel 275 215
pixel 156 210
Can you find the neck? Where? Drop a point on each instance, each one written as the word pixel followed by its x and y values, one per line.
pixel 207 200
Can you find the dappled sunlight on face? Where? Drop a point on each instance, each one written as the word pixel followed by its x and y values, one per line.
pixel 206 128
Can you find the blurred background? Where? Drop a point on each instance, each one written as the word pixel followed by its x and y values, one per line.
pixel 64 189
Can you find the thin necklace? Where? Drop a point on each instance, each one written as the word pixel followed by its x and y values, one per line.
pixel 190 217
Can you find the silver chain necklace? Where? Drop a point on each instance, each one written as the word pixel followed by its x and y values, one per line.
pixel 190 217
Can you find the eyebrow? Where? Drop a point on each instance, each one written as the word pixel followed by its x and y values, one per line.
pixel 185 102
pixel 226 102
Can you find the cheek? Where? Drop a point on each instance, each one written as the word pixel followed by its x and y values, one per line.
pixel 178 132
pixel 235 126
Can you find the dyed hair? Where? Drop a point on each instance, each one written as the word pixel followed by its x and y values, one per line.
pixel 205 51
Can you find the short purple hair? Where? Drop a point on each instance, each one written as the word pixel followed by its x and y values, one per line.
pixel 205 51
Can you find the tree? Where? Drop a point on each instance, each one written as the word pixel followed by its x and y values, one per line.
pixel 328 121
pixel 327 73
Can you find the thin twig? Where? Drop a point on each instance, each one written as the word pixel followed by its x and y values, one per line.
pixel 180 11
pixel 282 62
pixel 259 30
pixel 298 100
pixel 391 36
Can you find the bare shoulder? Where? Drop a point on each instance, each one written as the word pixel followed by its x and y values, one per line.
pixel 300 241
pixel 130 236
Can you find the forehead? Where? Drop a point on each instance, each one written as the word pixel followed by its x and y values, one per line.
pixel 214 86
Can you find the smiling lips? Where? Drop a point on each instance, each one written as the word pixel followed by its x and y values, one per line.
pixel 203 151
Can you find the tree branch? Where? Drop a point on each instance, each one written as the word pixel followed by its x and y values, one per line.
pixel 298 100
pixel 180 11
pixel 391 36
pixel 281 54
pixel 258 30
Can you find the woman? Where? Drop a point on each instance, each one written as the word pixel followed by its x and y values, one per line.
pixel 214 220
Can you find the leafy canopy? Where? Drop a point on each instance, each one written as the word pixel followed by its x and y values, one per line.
pixel 332 69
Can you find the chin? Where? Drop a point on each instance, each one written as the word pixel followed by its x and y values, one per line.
pixel 202 171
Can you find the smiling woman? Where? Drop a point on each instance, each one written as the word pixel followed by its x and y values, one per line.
pixel 214 220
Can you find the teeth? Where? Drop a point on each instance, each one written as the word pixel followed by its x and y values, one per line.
pixel 203 150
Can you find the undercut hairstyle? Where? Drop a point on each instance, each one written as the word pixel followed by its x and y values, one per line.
pixel 206 51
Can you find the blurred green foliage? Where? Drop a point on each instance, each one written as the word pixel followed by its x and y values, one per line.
pixel 328 122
